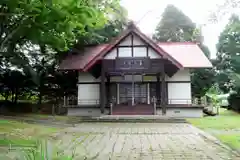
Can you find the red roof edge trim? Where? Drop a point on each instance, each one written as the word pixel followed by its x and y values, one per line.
pixel 107 49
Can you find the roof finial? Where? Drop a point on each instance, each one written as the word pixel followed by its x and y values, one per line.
pixel 131 25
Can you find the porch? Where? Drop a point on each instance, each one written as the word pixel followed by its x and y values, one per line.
pixel 189 108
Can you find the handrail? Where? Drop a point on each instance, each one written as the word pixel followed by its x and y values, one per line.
pixel 111 108
pixel 154 101
pixel 113 102
pixel 73 100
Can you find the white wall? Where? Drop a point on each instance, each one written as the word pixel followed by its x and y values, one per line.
pixel 181 75
pixel 179 93
pixel 125 52
pixel 139 52
pixel 137 41
pixel 178 112
pixel 152 54
pixel 184 112
pixel 127 41
pixel 88 94
pixel 112 54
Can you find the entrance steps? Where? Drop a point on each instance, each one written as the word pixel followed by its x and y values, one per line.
pixel 140 109
pixel 138 119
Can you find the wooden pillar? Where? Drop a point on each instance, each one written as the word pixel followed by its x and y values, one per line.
pixel 109 98
pixel 133 91
pixel 158 88
pixel 118 97
pixel 163 91
pixel 148 94
pixel 102 90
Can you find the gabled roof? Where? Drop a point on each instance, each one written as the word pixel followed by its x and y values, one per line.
pixel 132 29
pixel 181 54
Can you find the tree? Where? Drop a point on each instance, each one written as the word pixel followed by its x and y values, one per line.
pixel 175 26
pixel 115 25
pixel 33 32
pixel 228 55
pixel 14 83
pixel 56 24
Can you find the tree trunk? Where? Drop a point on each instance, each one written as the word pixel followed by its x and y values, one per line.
pixel 12 95
pixel 16 98
pixel 40 98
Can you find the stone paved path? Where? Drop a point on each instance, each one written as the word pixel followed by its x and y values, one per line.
pixel 146 141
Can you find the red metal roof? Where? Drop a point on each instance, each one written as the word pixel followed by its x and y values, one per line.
pixel 187 53
pixel 182 54
pixel 80 60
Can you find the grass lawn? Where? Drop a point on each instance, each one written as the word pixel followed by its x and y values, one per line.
pixel 224 126
pixel 22 134
pixel 18 138
pixel 16 134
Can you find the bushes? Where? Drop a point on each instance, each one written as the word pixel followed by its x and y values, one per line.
pixel 234 102
pixel 8 108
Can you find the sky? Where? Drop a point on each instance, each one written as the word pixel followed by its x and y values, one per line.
pixel 147 14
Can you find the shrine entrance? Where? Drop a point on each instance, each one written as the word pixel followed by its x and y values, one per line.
pixel 133 94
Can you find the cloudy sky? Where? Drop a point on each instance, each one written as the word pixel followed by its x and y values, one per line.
pixel 147 13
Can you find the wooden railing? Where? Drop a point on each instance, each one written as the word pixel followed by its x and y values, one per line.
pixel 73 101
pixel 180 101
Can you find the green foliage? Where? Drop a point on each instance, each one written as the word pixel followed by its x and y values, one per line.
pixel 214 89
pixel 33 33
pixel 202 80
pixel 177 27
pixel 58 23
pixel 228 55
pixel 174 26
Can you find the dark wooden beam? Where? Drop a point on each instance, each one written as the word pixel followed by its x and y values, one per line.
pixel 117 51
pixel 158 88
pixel 102 90
pixel 163 90
pixel 132 44
pixel 108 91
pixel 147 51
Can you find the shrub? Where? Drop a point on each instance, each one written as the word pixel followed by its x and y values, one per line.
pixel 234 102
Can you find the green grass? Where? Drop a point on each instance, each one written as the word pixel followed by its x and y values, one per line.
pixel 233 140
pixel 18 139
pixel 226 120
pixel 8 126
pixel 17 142
pixel 22 134
pixel 46 117
pixel 223 126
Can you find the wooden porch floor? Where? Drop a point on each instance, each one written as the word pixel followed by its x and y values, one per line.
pixel 140 109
